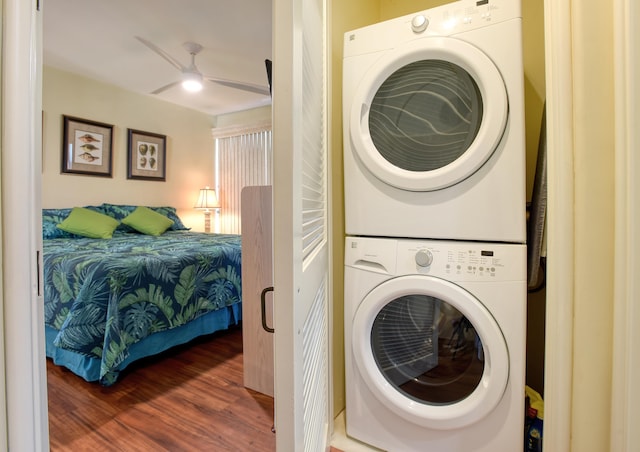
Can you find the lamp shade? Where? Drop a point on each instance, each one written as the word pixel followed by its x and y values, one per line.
pixel 207 199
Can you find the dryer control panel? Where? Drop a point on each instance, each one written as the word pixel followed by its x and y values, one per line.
pixel 445 20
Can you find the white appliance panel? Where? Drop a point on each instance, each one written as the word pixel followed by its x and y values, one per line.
pixel 487 283
pixel 478 195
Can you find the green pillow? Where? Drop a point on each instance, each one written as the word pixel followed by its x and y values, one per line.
pixel 89 223
pixel 147 221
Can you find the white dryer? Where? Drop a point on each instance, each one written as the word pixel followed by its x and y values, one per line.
pixel 435 344
pixel 433 112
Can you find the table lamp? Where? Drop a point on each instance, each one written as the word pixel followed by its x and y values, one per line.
pixel 207 201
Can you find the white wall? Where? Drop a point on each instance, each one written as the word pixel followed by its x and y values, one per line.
pixel 189 147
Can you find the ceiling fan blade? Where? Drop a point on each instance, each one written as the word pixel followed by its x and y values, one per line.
pixel 163 54
pixel 258 89
pixel 165 87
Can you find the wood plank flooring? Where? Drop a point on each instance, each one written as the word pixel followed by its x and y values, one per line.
pixel 188 399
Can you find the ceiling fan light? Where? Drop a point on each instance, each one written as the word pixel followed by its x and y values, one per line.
pixel 192 82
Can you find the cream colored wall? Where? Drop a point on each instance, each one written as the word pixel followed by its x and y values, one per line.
pixel 253 116
pixel 534 81
pixel 534 98
pixel 189 147
pixel 354 14
pixel 344 16
pixel 593 109
pixel 395 8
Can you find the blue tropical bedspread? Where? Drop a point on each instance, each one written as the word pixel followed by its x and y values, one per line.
pixel 111 301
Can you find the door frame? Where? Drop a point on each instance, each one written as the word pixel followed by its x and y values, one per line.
pixel 25 365
pixel 625 406
pixel 560 226
pixel 559 404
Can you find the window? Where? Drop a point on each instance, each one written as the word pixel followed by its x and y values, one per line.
pixel 243 157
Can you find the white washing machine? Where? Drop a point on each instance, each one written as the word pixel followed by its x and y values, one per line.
pixel 433 111
pixel 435 344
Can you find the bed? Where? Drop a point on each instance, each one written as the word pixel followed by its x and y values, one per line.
pixel 114 300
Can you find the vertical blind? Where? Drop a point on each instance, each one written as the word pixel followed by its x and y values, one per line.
pixel 243 157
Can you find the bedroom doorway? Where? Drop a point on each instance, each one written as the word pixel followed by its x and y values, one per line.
pixel 23 422
pixel 33 127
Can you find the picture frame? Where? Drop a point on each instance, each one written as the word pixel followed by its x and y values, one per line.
pixel 146 155
pixel 87 147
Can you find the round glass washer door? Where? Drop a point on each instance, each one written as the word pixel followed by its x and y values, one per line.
pixel 429 114
pixel 430 351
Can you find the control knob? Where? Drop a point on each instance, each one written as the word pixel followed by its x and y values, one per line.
pixel 424 258
pixel 419 23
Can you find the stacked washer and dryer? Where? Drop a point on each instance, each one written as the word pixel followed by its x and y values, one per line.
pixel 435 255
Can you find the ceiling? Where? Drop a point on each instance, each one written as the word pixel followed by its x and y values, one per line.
pixel 97 39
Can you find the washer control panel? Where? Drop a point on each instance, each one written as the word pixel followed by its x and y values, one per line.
pixel 424 258
pixel 463 261
pixel 450 259
pixel 475 262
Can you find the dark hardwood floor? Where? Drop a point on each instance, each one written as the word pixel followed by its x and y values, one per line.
pixel 188 399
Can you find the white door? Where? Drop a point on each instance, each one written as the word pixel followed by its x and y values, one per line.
pixel 301 242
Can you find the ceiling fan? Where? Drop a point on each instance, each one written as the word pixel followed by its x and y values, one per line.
pixel 192 78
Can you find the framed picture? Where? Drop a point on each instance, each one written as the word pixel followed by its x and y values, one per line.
pixel 146 156
pixel 86 147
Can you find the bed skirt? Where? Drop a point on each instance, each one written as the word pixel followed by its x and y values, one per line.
pixel 89 367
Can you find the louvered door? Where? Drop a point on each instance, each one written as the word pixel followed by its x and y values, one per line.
pixel 301 239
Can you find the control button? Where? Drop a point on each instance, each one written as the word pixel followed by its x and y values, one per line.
pixel 424 258
pixel 419 24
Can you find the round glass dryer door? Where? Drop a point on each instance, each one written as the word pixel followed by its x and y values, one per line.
pixel 425 115
pixel 430 351
pixel 429 115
